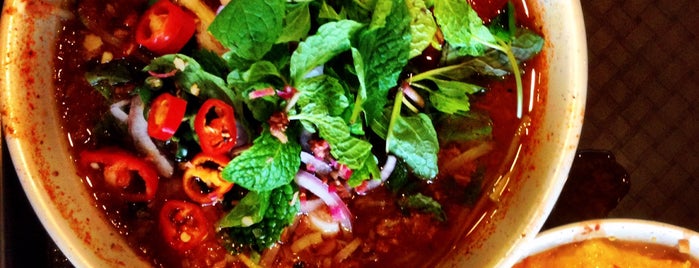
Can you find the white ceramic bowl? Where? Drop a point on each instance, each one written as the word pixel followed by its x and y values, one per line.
pixel 44 166
pixel 633 230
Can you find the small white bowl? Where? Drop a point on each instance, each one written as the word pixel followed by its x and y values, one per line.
pixel 632 230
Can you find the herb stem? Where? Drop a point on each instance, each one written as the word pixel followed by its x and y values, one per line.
pixel 434 72
pixel 518 76
pixel 357 109
pixel 397 104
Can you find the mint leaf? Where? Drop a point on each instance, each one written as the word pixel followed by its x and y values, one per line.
pixel 266 165
pixel 249 28
pixel 331 39
pixel 250 210
pixel 297 23
pixel 425 204
pixel 462 27
pixel 191 77
pixel 348 150
pixel 385 52
pixel 422 27
pixel 414 140
pixel 322 95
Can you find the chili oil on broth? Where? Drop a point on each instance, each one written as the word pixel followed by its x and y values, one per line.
pixel 390 239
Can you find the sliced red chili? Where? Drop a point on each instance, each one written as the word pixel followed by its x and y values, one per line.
pixel 215 127
pixel 202 180
pixel 165 28
pixel 135 179
pixel 165 115
pixel 183 225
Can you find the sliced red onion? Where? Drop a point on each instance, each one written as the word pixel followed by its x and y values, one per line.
pixel 163 75
pixel 117 110
pixel 138 129
pixel 259 93
pixel 319 166
pixel 338 208
pixel 310 205
pixel 386 171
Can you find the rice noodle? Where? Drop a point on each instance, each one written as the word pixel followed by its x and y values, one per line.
pixel 306 241
pixel 138 129
pixel 469 155
pixel 345 252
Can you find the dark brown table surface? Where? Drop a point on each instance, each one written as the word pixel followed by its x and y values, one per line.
pixel 642 107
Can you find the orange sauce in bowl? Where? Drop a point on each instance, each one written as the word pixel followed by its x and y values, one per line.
pixel 608 252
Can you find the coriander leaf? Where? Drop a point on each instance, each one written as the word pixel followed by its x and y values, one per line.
pixel 297 23
pixel 322 95
pixel 385 52
pixel 422 27
pixel 331 39
pixel 249 211
pixel 462 27
pixel 425 204
pixel 451 96
pixel 414 140
pixel 266 165
pixel 191 77
pixel 249 28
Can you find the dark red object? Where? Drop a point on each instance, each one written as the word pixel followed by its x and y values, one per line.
pixel 183 225
pixel 487 9
pixel 134 178
pixel 165 115
pixel 215 127
pixel 165 28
